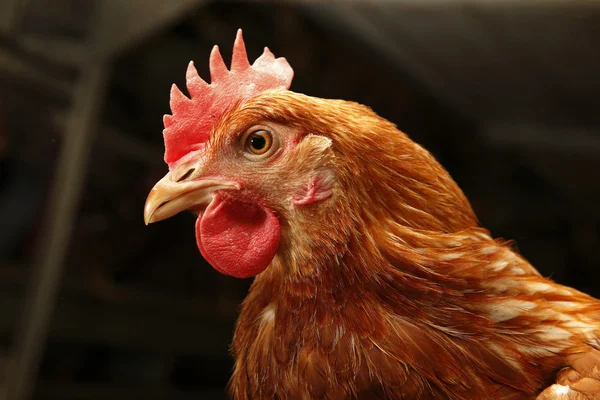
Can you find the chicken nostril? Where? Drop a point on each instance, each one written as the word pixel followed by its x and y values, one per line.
pixel 186 175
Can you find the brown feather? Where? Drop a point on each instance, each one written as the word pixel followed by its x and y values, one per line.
pixel 390 289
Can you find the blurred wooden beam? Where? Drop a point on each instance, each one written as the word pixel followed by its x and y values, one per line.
pixel 32 331
pixel 122 143
pixel 11 14
pixel 129 22
pixel 60 50
pixel 12 66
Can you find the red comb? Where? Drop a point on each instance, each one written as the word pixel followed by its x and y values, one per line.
pixel 190 125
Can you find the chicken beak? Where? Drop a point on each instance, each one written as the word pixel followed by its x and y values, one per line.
pixel 169 197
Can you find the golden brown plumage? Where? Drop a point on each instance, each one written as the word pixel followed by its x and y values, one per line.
pixel 383 286
pixel 390 289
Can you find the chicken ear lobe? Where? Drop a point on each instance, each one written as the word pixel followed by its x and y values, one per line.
pixel 314 153
pixel 318 188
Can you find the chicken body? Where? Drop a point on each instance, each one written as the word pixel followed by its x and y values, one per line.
pixel 392 291
pixel 374 280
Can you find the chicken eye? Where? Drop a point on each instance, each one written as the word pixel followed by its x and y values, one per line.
pixel 259 142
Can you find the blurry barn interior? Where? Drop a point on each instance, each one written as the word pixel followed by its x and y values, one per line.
pixel 95 305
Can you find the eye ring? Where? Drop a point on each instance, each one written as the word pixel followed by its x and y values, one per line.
pixel 259 142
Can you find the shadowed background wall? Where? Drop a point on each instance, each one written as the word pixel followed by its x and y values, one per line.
pixel 96 305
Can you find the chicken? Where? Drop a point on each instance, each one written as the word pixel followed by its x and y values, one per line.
pixel 373 279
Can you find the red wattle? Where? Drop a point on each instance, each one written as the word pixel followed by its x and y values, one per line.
pixel 237 239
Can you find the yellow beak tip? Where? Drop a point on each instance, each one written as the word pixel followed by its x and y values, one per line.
pixel 148 219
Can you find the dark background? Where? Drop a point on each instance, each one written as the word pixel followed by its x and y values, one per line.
pixel 504 94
